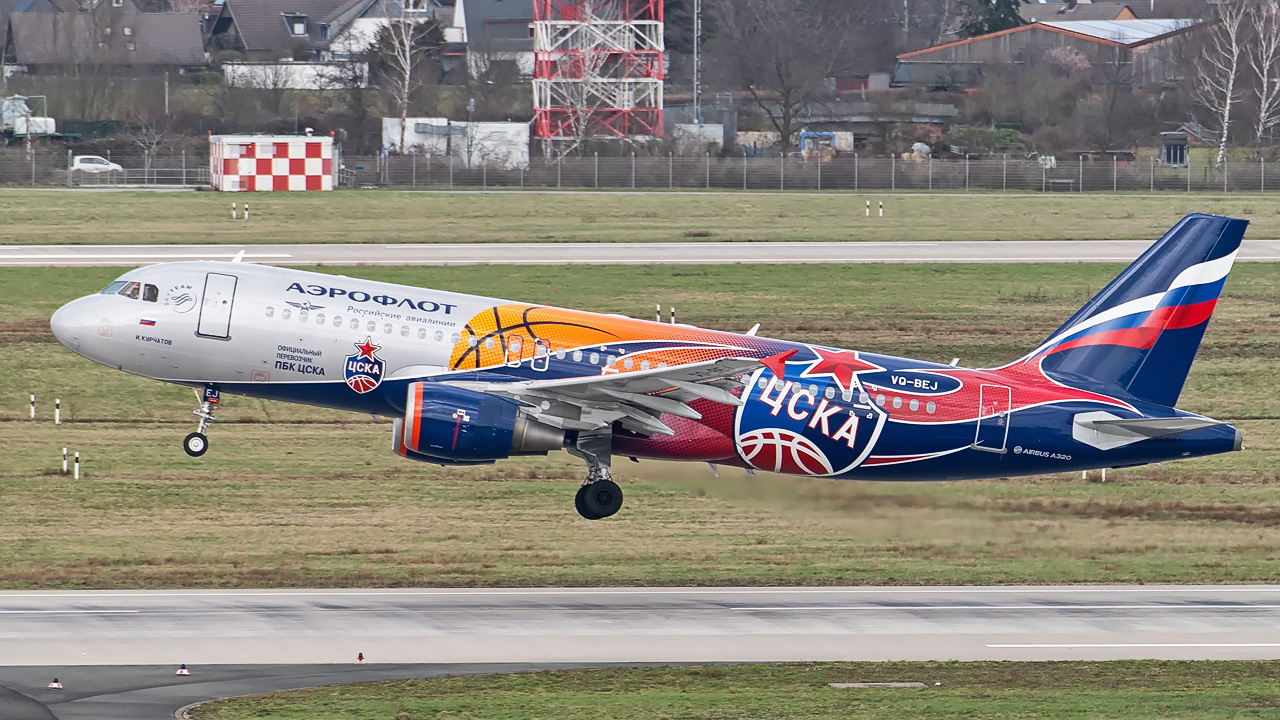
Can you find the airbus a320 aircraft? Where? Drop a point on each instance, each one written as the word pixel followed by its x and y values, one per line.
pixel 471 380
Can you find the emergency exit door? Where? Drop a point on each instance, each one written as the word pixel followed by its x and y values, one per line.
pixel 215 310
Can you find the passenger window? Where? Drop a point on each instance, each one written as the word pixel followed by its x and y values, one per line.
pixel 150 293
pixel 372 326
pixel 439 336
pixel 422 333
pixel 130 290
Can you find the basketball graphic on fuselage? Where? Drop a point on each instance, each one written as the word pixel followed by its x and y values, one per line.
pixel 783 451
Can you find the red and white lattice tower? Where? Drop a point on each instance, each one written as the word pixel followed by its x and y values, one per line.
pixel 597 71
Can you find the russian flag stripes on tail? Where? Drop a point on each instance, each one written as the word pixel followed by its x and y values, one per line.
pixel 1142 331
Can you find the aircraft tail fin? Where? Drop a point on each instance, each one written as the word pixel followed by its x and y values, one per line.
pixel 1142 331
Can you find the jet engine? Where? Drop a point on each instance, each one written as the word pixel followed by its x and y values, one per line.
pixel 454 426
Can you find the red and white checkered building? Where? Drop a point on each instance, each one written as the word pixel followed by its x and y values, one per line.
pixel 270 162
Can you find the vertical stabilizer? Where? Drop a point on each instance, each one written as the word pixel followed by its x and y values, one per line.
pixel 1142 331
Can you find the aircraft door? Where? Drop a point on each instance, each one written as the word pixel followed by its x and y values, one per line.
pixel 215 310
pixel 994 402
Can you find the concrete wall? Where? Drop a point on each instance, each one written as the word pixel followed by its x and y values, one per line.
pixel 495 144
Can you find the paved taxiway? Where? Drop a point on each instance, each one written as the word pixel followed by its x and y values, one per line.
pixel 203 627
pixel 694 253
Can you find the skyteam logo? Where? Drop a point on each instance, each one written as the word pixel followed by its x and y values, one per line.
pixel 180 298
pixel 363 369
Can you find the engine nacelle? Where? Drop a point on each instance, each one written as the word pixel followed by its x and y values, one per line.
pixel 449 425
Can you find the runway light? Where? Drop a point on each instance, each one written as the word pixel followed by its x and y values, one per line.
pixel 55 684
pixel 182 669
pixel 359 658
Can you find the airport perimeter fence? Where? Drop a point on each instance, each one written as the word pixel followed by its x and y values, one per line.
pixel 50 168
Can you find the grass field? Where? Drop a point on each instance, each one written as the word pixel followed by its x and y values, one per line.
pixel 297 496
pixel 60 217
pixel 978 691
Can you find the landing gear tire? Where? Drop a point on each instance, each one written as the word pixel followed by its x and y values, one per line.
pixel 599 499
pixel 579 502
pixel 195 444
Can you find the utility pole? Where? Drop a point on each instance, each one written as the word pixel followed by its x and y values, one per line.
pixel 697 62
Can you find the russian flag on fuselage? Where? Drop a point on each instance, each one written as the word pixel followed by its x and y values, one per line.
pixel 1141 332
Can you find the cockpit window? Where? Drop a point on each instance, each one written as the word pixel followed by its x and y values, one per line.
pixel 150 293
pixel 130 290
pixel 113 288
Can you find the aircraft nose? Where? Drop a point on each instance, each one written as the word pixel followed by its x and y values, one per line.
pixel 70 322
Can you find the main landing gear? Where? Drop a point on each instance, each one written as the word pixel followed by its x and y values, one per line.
pixel 195 444
pixel 599 497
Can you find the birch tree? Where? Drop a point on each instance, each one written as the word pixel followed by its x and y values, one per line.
pixel 1217 85
pixel 1264 58
pixel 402 45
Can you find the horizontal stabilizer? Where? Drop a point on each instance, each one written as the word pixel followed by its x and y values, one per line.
pixel 1155 427
pixel 1106 431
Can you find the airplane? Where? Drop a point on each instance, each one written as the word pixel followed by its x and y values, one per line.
pixel 471 380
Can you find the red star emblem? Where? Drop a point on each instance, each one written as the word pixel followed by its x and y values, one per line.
pixel 841 365
pixel 367 349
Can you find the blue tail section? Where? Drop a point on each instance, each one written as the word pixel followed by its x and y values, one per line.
pixel 1141 332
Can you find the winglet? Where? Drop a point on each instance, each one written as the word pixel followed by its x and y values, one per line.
pixel 778 363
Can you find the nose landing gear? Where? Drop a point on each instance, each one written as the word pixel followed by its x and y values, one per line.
pixel 195 444
pixel 599 497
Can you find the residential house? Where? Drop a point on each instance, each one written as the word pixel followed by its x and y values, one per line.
pixel 305 30
pixel 1135 52
pixel 51 42
pixel 489 33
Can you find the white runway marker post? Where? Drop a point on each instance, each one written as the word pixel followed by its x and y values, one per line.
pixel 881 208
pixel 77 465
pixel 64 461
pixel 33 407
pixel 57 411
pixel 233 211
pixel 657 312
pixel 868 208
pixel 246 212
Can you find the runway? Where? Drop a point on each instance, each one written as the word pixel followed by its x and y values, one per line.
pixel 691 253
pixel 116 651
pixel 618 625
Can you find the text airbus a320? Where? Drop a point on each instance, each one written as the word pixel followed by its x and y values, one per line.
pixel 473 380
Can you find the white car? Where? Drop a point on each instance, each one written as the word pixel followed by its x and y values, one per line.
pixel 94 164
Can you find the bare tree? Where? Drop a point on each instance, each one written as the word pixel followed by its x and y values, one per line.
pixel 402 44
pixel 151 133
pixel 1218 68
pixel 1264 57
pixel 782 51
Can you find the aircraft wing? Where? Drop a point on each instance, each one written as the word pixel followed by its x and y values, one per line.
pixel 634 399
